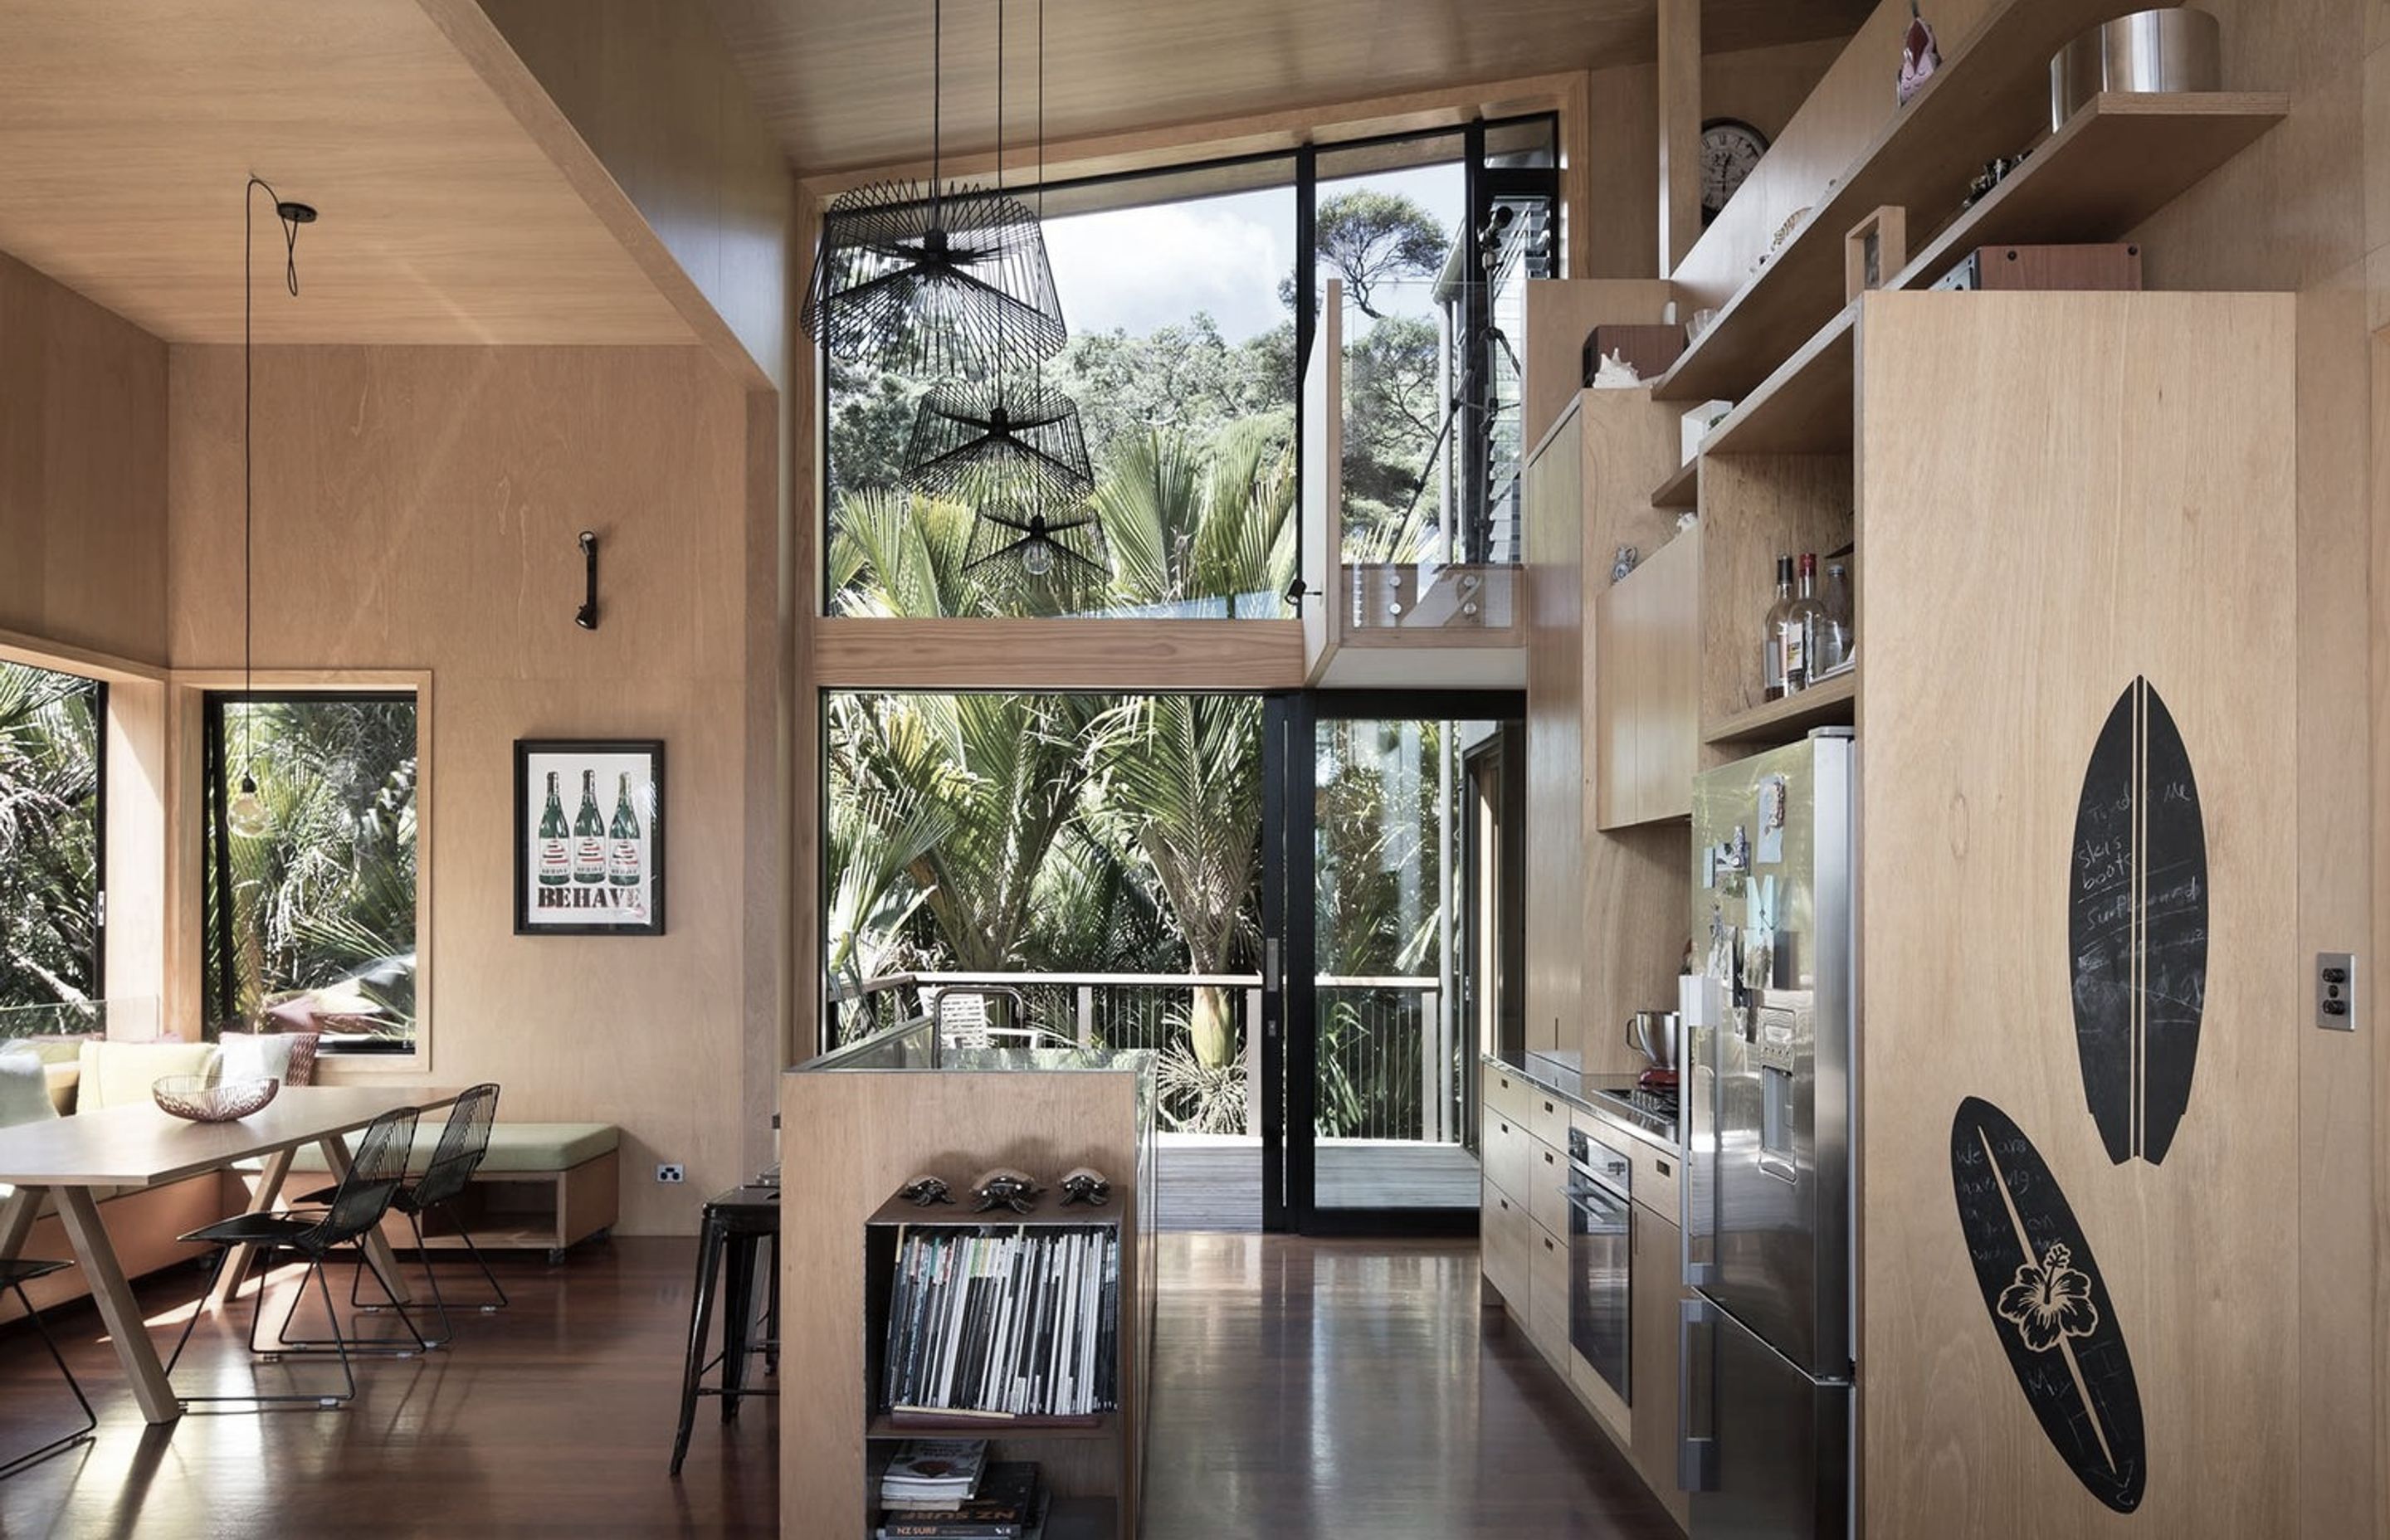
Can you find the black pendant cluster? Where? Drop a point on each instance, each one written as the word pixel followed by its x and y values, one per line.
pixel 952 283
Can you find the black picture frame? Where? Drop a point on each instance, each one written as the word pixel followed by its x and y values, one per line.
pixel 589 897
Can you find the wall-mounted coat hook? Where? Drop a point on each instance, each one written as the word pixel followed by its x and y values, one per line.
pixel 587 617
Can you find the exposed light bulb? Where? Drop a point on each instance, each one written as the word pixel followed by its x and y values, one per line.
pixel 245 814
pixel 1037 557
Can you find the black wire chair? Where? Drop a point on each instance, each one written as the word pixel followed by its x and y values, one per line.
pixel 357 1209
pixel 463 1144
pixel 15 1274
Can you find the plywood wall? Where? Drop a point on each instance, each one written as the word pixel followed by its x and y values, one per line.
pixel 417 508
pixel 82 471
pixel 2299 211
pixel 2137 528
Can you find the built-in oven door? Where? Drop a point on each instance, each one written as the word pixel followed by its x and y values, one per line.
pixel 1602 1283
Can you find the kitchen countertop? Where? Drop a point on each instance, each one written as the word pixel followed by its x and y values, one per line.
pixel 1581 1091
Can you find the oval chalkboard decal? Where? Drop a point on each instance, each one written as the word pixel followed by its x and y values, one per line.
pixel 2051 1310
pixel 2137 927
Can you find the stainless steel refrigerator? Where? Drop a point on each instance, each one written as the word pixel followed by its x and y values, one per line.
pixel 1764 1420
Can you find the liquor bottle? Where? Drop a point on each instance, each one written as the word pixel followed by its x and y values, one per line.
pixel 589 834
pixel 1771 672
pixel 555 856
pixel 1801 628
pixel 1834 643
pixel 623 856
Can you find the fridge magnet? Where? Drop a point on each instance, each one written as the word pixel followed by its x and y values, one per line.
pixel 1920 56
pixel 2137 927
pixel 2048 1308
pixel 589 837
pixel 1773 794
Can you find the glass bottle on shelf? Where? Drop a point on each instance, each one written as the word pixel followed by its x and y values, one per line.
pixel 1833 645
pixel 1771 668
pixel 1801 624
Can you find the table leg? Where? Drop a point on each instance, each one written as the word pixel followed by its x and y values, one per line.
pixel 385 1262
pixel 235 1262
pixel 16 1220
pixel 118 1308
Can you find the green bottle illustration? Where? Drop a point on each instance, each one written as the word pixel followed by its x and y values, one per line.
pixel 622 857
pixel 554 854
pixel 589 834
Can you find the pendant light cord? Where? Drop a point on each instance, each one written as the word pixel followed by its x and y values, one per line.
pixel 247 416
pixel 1000 95
pixel 937 96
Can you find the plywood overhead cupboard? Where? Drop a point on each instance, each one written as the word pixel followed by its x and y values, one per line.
pixel 2073 520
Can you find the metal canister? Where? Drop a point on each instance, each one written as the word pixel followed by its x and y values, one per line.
pixel 2174 49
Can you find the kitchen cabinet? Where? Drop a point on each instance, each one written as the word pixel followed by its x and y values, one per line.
pixel 1547 1294
pixel 1659 1275
pixel 1504 1235
pixel 1647 697
pixel 1508 1149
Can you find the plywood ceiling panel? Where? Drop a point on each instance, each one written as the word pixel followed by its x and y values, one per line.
pixel 847 84
pixel 126 130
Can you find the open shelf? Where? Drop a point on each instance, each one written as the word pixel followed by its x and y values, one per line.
pixel 2116 163
pixel 1989 98
pixel 1683 489
pixel 884 1426
pixel 1083 1519
pixel 1824 705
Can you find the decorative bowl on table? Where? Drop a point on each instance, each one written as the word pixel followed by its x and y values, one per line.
pixel 202 1099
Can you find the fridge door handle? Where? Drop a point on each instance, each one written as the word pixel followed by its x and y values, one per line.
pixel 1697 1192
pixel 1696 1413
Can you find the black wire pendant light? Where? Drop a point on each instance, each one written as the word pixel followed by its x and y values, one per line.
pixel 934 280
pixel 1027 546
pixel 1002 439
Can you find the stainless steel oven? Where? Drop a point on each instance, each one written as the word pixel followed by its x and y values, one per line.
pixel 1601 1276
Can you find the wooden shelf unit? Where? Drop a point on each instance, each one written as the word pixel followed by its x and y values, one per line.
pixel 1989 98
pixel 1830 703
pixel 1078 1457
pixel 1682 490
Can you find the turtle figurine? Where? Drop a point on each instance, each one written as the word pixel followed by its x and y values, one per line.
pixel 1087 1186
pixel 1006 1189
pixel 924 1192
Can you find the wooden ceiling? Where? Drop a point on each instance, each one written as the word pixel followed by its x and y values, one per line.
pixel 847 84
pixel 127 129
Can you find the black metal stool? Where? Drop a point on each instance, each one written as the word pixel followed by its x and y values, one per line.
pixel 14 1276
pixel 738 1223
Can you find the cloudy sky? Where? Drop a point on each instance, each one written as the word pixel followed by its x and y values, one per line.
pixel 1142 268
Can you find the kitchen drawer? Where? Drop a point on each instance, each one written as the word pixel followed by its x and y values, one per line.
pixel 1508 1093
pixel 1546 1184
pixel 1548 1295
pixel 1508 1149
pixel 1548 1119
pixel 1658 1178
pixel 1504 1233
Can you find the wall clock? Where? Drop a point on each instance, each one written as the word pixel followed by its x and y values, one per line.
pixel 1731 148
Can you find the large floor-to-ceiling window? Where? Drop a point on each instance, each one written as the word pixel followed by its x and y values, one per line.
pixel 52 733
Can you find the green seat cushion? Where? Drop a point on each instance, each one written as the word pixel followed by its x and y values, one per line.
pixel 526 1147
pixel 116 1074
pixel 49 1050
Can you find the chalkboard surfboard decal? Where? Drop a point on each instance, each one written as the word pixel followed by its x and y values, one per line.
pixel 2049 1305
pixel 2137 927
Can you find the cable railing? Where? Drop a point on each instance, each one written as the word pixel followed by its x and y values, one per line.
pixel 1389 1064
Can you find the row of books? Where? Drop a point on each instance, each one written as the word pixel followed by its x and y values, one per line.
pixel 1004 1323
pixel 946 1489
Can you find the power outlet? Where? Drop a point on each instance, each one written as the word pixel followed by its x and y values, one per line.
pixel 2336 991
pixel 670 1172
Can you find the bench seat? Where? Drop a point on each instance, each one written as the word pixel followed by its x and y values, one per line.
pixel 537 1146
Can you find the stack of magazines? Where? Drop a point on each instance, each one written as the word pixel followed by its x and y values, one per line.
pixel 945 1489
pixel 1015 1322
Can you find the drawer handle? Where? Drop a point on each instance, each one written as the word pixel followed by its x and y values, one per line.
pixel 1548 1157
pixel 1548 1243
pixel 1505 1203
pixel 1506 1128
pixel 1663 1167
pixel 1548 1107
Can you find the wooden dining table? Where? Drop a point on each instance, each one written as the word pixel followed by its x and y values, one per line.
pixel 138 1145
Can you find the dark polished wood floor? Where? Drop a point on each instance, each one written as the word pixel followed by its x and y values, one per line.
pixel 1303 1389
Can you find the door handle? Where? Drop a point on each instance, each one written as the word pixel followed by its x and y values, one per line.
pixel 1696 1418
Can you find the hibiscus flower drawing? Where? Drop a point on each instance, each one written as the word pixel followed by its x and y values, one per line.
pixel 2050 1303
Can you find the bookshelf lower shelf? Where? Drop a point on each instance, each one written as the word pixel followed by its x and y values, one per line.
pixel 1083 1519
pixel 999 1428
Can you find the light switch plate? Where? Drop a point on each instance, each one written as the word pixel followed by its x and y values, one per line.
pixel 2336 991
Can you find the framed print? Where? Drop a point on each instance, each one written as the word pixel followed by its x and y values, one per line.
pixel 589 837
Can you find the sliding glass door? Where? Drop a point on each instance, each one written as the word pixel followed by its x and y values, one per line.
pixel 1389 923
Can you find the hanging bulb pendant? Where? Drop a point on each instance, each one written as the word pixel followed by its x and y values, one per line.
pixel 246 815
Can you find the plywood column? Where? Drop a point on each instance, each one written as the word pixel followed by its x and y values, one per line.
pixel 1681 130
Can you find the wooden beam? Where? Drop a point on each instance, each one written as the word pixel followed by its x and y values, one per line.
pixel 1681 130
pixel 876 654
